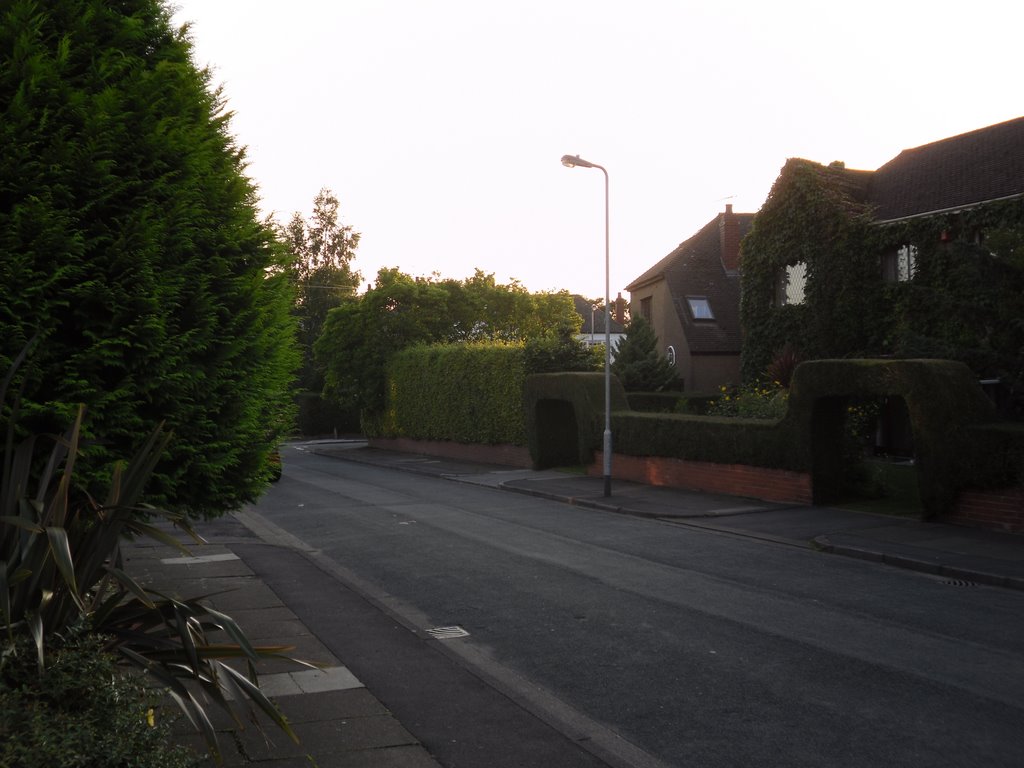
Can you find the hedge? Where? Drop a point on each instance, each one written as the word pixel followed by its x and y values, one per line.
pixel 952 421
pixel 467 393
pixel 565 416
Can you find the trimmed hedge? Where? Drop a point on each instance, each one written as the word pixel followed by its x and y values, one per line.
pixel 565 416
pixel 943 399
pixel 716 439
pixel 951 418
pixel 694 403
pixel 467 393
pixel 996 458
pixel 654 402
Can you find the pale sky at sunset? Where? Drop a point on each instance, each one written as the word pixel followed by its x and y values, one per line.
pixel 439 125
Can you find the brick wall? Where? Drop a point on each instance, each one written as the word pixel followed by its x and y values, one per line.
pixel 506 455
pixel 1001 510
pixel 735 479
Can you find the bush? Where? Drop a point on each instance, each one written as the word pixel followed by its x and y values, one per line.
pixel 757 401
pixel 83 710
pixel 59 549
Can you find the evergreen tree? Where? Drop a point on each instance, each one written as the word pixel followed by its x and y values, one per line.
pixel 638 364
pixel 130 247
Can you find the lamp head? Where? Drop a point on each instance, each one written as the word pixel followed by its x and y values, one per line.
pixel 572 161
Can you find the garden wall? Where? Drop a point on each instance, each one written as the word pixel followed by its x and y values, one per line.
pixel 502 455
pixel 762 483
pixel 999 510
pixel 798 458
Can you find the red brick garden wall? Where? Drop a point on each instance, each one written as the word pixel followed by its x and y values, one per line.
pixel 1001 510
pixel 506 455
pixel 735 479
pixel 995 510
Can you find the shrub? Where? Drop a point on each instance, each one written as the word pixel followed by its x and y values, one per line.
pixel 59 549
pixel 755 401
pixel 783 365
pixel 83 710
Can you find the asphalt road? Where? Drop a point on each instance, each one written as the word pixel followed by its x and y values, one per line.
pixel 642 642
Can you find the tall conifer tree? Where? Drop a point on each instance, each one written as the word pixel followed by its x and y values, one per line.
pixel 130 246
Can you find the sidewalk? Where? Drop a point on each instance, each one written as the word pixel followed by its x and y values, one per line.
pixel 340 724
pixel 967 555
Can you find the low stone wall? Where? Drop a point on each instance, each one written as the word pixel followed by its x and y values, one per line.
pixel 998 510
pixel 506 455
pixel 734 479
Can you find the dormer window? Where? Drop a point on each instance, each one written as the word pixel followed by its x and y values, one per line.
pixel 700 308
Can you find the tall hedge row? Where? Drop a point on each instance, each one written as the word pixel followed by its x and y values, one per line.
pixel 467 393
pixel 131 249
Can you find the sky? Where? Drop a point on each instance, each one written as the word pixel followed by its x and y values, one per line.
pixel 440 125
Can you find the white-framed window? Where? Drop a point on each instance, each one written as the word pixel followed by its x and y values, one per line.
pixel 791 284
pixel 900 265
pixel 700 308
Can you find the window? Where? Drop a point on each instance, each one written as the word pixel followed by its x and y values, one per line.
pixel 900 265
pixel 645 309
pixel 791 284
pixel 700 309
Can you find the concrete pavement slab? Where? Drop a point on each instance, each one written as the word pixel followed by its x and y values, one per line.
pixel 330 705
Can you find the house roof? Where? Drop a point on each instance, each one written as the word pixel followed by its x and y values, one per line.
pixel 958 172
pixel 583 309
pixel 695 268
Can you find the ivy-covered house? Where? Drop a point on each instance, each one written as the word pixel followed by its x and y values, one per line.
pixel 923 257
pixel 691 299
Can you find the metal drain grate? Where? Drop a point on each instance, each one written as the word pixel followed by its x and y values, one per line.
pixel 447 633
pixel 959 583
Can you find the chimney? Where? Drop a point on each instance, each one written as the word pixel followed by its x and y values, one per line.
pixel 619 314
pixel 729 240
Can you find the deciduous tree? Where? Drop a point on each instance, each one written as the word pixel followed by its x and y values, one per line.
pixel 323 249
pixel 398 311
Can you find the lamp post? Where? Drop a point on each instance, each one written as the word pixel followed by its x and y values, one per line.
pixel 574 161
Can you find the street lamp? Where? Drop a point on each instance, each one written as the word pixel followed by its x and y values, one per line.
pixel 575 161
